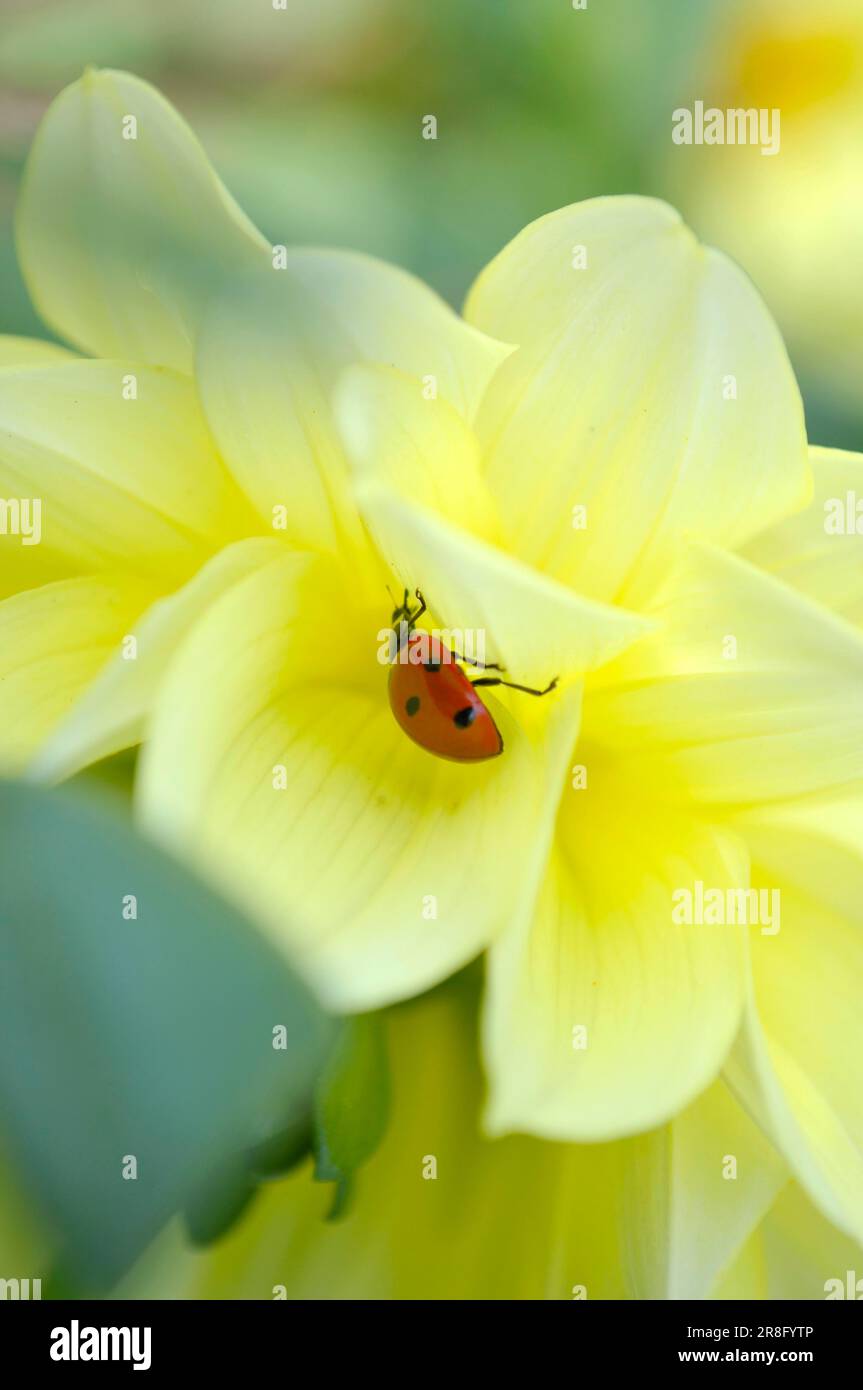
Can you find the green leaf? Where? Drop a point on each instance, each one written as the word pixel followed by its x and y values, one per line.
pixel 215 1210
pixel 211 1214
pixel 284 1151
pixel 146 1038
pixel 351 1105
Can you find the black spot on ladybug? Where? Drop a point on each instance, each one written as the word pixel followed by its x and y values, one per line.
pixel 463 718
pixel 412 704
pixel 433 667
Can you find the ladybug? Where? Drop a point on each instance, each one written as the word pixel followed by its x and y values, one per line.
pixel 435 702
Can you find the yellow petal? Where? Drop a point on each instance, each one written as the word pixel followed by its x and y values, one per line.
pixel 418 446
pixel 419 484
pixel 745 691
pixel 122 480
pixel 53 642
pixel 651 388
pixel 820 550
pixel 267 357
pixel 746 1276
pixel 124 231
pixel 113 712
pixel 796 1065
pixel 806 1257
pixel 695 1192
pixel 31 352
pixel 390 316
pixel 420 487
pixel 271 351
pixel 605 1015
pixel 274 757
pixel 534 627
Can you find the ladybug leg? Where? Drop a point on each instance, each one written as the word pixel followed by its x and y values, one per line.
pixel 477 665
pixel 465 660
pixel 511 685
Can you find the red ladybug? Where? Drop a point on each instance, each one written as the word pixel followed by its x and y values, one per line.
pixel 435 702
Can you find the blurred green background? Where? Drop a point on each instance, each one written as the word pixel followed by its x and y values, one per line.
pixel 313 116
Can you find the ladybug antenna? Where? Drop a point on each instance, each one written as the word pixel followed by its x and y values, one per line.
pixel 400 610
pixel 403 609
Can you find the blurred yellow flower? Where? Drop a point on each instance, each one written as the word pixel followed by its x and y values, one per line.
pixel 793 221
pixel 442 1213
pixel 625 500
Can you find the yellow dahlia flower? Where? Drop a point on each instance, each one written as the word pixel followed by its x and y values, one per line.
pixel 604 471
